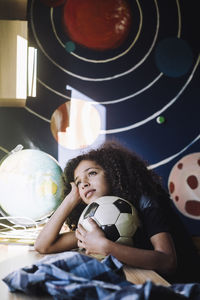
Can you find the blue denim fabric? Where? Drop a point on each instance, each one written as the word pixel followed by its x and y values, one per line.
pixel 71 275
pixel 150 291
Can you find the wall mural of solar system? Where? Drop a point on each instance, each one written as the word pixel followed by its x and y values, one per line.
pixel 116 69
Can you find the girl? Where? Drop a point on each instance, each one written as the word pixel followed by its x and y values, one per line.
pixel 161 242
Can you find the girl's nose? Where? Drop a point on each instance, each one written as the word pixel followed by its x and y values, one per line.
pixel 85 184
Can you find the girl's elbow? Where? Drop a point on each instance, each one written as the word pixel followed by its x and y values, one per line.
pixel 170 265
pixel 40 249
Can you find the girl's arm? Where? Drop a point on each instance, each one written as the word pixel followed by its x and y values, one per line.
pixel 162 259
pixel 50 240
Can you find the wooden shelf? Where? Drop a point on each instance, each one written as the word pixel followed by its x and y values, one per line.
pixel 13 9
pixel 13 62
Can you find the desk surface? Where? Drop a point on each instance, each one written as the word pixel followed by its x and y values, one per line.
pixel 25 258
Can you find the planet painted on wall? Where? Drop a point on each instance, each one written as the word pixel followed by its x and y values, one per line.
pixel 99 25
pixel 173 57
pixel 75 124
pixel 184 185
pixel 31 185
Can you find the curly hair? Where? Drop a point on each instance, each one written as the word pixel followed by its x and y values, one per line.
pixel 127 175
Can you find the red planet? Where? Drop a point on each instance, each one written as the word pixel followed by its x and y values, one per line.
pixel 97 24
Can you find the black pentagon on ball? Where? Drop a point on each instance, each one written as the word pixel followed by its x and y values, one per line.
pixel 111 232
pixel 123 206
pixel 91 210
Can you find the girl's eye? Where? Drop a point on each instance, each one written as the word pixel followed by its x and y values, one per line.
pixel 91 173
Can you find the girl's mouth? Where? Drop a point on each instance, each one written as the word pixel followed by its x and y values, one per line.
pixel 89 193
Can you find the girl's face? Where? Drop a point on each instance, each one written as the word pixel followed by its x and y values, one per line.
pixel 90 180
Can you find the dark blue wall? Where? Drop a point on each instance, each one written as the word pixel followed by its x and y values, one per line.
pixel 167 48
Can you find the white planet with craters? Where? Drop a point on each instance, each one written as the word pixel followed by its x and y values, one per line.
pixel 184 185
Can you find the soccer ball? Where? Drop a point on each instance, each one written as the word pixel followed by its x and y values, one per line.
pixel 115 216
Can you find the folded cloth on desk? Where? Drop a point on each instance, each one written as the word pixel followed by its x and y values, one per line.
pixel 69 275
pixel 72 275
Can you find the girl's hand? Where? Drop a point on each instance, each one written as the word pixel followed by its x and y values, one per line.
pixel 92 241
pixel 74 193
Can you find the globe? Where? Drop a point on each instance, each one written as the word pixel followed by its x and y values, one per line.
pixel 31 185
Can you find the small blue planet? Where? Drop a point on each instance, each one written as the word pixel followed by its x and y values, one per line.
pixel 173 57
pixel 70 46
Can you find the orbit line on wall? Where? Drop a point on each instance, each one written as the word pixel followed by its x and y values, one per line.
pixel 104 60
pixel 144 121
pixel 102 78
